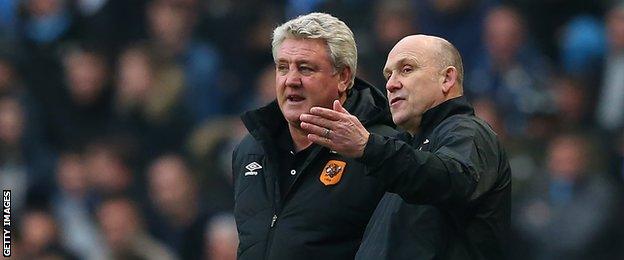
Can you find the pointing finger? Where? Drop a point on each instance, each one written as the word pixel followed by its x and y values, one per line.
pixel 317 120
pixel 327 113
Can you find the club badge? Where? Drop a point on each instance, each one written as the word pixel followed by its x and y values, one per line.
pixel 332 172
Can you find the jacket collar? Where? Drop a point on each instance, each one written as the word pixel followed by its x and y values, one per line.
pixel 434 116
pixel 264 122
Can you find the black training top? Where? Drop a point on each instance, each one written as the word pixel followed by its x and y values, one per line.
pixel 449 190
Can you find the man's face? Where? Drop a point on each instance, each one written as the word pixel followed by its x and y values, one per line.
pixel 305 77
pixel 414 81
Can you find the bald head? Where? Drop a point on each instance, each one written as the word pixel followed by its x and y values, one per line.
pixel 433 49
pixel 422 72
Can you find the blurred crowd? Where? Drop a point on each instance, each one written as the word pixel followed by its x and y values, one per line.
pixel 118 117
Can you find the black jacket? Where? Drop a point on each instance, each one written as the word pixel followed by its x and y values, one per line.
pixel 449 190
pixel 312 220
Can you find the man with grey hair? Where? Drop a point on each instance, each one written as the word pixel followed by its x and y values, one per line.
pixel 295 199
pixel 448 178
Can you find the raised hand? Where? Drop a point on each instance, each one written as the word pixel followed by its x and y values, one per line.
pixel 336 129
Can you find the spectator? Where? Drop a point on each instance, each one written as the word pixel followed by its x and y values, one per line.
pixel 571 102
pixel 486 110
pixel 23 146
pixel 547 20
pixel 582 46
pixel 23 161
pixel 124 233
pixel 13 167
pixel 221 238
pixel 209 147
pixel 179 220
pixel 459 21
pixel 148 105
pixel 78 229
pixel 610 104
pixel 43 27
pixel 265 87
pixel 571 212
pixel 108 171
pixel 242 67
pixel 510 72
pixel 171 26
pixel 39 237
pixel 82 109
pixel 524 154
pixel 46 21
pixel 393 20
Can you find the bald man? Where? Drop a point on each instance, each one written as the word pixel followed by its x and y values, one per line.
pixel 447 177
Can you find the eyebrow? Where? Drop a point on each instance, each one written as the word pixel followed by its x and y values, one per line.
pixel 400 62
pixel 408 60
pixel 297 60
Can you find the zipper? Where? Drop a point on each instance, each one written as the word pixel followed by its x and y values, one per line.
pixel 278 202
pixel 269 243
pixel 277 208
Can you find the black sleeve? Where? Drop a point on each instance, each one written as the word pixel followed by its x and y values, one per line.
pixel 448 175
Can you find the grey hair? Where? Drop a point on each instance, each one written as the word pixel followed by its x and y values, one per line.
pixel 336 34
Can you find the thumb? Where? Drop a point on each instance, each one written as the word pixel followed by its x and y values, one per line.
pixel 338 107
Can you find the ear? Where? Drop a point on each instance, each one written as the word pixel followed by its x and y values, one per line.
pixel 449 79
pixel 345 77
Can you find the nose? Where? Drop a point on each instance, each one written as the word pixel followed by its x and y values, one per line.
pixel 393 84
pixel 293 78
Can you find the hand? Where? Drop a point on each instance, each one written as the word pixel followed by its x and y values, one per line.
pixel 336 129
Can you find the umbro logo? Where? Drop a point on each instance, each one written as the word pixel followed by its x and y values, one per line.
pixel 252 169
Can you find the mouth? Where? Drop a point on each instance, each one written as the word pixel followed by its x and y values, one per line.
pixel 395 100
pixel 294 98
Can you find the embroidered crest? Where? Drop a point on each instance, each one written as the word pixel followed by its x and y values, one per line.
pixel 332 172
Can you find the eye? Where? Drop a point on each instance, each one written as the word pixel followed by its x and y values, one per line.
pixel 282 68
pixel 306 70
pixel 406 69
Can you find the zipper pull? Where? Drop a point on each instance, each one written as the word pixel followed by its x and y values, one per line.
pixel 273 220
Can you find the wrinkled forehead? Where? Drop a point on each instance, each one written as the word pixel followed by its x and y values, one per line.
pixel 413 51
pixel 305 47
